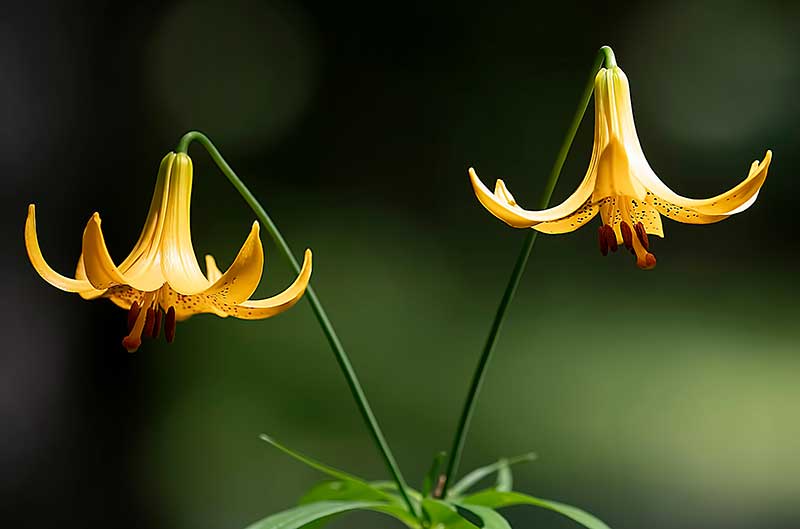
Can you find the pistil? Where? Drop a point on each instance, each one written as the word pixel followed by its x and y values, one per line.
pixel 138 314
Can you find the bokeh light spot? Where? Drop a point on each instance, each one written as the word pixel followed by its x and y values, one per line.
pixel 242 71
pixel 717 72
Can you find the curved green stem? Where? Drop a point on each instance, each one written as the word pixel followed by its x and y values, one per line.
pixel 316 306
pixel 516 275
pixel 610 58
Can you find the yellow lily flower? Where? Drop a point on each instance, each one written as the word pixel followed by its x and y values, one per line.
pixel 161 275
pixel 621 186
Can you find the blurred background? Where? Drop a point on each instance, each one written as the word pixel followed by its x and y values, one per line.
pixel 663 400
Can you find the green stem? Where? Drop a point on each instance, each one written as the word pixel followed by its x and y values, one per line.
pixel 610 58
pixel 316 306
pixel 457 449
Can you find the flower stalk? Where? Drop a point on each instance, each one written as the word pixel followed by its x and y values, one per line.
pixel 327 328
pixel 604 55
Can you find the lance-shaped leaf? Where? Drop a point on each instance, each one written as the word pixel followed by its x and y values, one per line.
pixel 313 463
pixel 442 515
pixel 313 512
pixel 432 476
pixel 357 488
pixel 479 473
pixel 491 518
pixel 495 499
pixel 346 490
pixel 505 480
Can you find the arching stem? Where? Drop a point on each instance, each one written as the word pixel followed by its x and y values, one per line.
pixel 605 54
pixel 322 317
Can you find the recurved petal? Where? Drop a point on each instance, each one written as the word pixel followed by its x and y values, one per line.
pixel 502 205
pixel 212 271
pixel 732 201
pixel 100 268
pixel 80 273
pixel 685 215
pixel 240 280
pixel 571 222
pixel 502 192
pixel 40 265
pixel 264 308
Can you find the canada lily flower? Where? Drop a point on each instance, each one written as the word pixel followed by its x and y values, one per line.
pixel 161 275
pixel 621 186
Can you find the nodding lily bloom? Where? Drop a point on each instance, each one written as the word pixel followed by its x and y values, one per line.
pixel 621 186
pixel 161 279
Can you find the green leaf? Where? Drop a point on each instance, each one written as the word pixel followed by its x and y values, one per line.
pixel 433 474
pixel 491 518
pixel 445 516
pixel 495 499
pixel 479 473
pixel 505 481
pixel 345 490
pixel 313 512
pixel 384 486
pixel 313 463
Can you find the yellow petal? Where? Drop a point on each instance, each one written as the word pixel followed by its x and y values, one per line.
pixel 143 265
pixel 647 214
pixel 264 308
pixel 100 268
pixel 571 222
pixel 40 265
pixel 212 271
pixel 685 215
pixel 123 296
pixel 80 273
pixel 146 248
pixel 178 261
pixel 503 206
pixel 240 280
pixel 614 210
pixel 732 201
pixel 188 305
pixel 501 191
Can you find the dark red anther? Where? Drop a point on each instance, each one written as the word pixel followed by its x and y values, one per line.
pixel 169 325
pixel 641 233
pixel 627 234
pixel 149 323
pixel 611 238
pixel 601 236
pixel 133 313
pixel 157 324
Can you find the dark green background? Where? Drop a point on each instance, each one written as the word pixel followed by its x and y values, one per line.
pixel 666 399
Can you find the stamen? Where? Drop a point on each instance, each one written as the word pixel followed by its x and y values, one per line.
pixel 157 325
pixel 601 236
pixel 169 325
pixel 642 235
pixel 149 323
pixel 627 235
pixel 611 238
pixel 132 315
